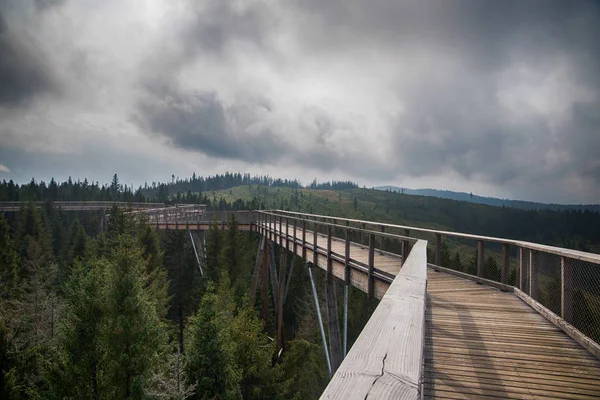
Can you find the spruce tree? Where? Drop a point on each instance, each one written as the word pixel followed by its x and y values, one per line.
pixel 133 335
pixel 210 361
pixel 80 367
pixel 8 261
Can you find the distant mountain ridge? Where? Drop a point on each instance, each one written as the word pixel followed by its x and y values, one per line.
pixel 491 201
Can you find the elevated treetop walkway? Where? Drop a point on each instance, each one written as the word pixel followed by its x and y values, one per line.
pixel 460 316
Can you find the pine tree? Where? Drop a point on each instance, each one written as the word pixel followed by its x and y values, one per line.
pixel 210 351
pixel 79 371
pixel 8 260
pixel 158 282
pixel 134 337
pixel 169 381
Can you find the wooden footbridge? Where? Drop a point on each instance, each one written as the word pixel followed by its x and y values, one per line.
pixel 517 320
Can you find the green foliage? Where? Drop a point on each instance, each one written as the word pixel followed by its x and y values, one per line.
pixel 77 373
pixel 9 261
pixel 210 351
pixel 305 369
pixel 133 335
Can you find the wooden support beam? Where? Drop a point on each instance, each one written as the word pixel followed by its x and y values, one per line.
pixel 335 345
pixel 371 265
pixel 505 272
pixel 281 293
pixel 533 286
pixel 480 258
pixel 255 273
pixel 265 283
pixel 566 267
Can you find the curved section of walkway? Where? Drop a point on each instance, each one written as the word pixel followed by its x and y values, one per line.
pixel 481 343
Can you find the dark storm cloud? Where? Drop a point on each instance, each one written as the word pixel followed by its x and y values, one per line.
pixel 454 120
pixel 24 72
pixel 197 120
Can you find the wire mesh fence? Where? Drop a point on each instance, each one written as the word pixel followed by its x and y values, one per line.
pixel 569 287
pixel 585 306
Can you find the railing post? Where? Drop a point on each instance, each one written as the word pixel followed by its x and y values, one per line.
pixel 438 249
pixel 315 250
pixel 566 267
pixel 280 231
pixel 480 258
pixel 405 246
pixel 329 260
pixel 506 263
pixel 362 234
pixel 522 263
pixel 533 274
pixel 295 228
pixel 304 239
pixel 287 233
pixel 371 265
pixel 381 238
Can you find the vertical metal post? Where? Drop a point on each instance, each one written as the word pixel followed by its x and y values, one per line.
pixel 533 274
pixel 371 265
pixel 196 253
pixel 480 258
pixel 506 263
pixel 438 249
pixel 566 267
pixel 316 299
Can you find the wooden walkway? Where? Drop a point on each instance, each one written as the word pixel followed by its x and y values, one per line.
pixel 385 264
pixel 482 343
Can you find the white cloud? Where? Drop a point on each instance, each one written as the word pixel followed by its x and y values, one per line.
pixel 4 168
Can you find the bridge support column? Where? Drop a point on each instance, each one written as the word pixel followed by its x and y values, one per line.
pixel 333 324
pixel 281 292
pixel 346 284
pixel 265 283
pixel 316 299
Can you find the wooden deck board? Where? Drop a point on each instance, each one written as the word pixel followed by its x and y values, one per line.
pixel 481 342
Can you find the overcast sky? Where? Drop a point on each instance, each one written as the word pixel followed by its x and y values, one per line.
pixel 497 98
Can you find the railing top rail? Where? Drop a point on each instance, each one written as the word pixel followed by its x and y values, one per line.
pixel 574 254
pixel 393 337
pixel 350 228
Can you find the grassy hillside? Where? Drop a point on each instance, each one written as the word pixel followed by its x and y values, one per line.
pixel 571 229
